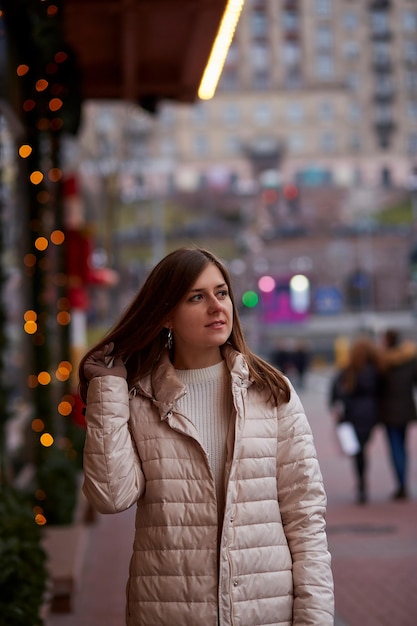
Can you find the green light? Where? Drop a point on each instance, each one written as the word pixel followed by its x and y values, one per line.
pixel 250 299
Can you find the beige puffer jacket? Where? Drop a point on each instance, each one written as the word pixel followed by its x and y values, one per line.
pixel 274 566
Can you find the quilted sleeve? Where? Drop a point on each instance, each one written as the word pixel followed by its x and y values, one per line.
pixel 302 501
pixel 113 478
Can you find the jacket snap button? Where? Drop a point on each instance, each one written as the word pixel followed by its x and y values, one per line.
pixel 235 583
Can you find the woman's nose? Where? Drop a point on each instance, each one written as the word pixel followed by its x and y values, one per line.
pixel 214 304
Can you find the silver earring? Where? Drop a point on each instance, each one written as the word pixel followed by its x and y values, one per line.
pixel 170 339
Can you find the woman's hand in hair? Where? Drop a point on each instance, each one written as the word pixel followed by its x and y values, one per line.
pixel 101 363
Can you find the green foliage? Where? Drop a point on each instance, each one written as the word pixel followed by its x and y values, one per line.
pixel 23 571
pixel 398 215
pixel 57 479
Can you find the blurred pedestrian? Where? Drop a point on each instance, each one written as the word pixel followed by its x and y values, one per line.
pixel 212 445
pixel 397 407
pixel 354 397
pixel 301 360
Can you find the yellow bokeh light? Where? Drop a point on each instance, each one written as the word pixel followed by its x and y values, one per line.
pixel 67 365
pixel 43 196
pixel 32 381
pixel 64 408
pixel 63 304
pixel 62 374
pixel 57 237
pixel 63 318
pixel 40 494
pixel 46 440
pixel 41 84
pixel 41 243
pixel 40 519
pixel 55 104
pixel 25 150
pixel 37 425
pixel 30 316
pixel 55 174
pixel 36 177
pixel 29 260
pixel 60 57
pixel 30 328
pixel 44 378
pixel 22 69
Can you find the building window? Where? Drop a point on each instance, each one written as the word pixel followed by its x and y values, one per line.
pixel 231 113
pixel 410 21
pixel 232 145
pixel 412 144
pixel 351 49
pixel 291 53
pixel 324 37
pixel 259 25
pixel 290 20
pixel 168 147
pixel 350 21
pixel 323 8
pixel 412 110
pixel 295 112
pixel 353 81
pixel 199 113
pixel 355 112
pixel 261 80
pixel 229 80
pixel 328 142
pixel 201 145
pixel 410 51
pixel 355 143
pixel 324 67
pixel 167 115
pixel 263 114
pixel 296 144
pixel 411 81
pixel 260 56
pixel 380 22
pixel 383 113
pixel 326 111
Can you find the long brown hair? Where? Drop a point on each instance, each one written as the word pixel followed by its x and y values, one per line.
pixel 140 336
pixel 362 352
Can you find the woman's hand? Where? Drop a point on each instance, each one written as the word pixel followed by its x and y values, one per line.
pixel 101 363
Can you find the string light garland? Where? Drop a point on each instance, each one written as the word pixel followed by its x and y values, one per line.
pixel 48 83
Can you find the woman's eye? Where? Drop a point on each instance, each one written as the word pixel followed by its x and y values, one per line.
pixel 223 293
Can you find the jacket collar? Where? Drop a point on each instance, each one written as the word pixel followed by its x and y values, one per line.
pixel 164 388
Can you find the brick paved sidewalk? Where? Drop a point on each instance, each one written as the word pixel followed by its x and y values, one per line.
pixel 373 546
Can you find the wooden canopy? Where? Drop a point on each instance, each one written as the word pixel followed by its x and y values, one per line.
pixel 142 50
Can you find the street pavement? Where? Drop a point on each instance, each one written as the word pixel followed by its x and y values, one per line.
pixel 373 546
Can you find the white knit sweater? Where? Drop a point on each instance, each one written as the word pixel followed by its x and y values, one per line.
pixel 208 404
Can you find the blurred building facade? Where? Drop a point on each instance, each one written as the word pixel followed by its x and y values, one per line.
pixel 326 87
pixel 311 135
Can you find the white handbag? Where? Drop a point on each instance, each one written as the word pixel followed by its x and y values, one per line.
pixel 347 438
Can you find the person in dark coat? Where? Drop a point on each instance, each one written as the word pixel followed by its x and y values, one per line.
pixel 355 390
pixel 397 406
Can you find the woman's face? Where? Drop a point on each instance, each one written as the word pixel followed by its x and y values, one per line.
pixel 202 322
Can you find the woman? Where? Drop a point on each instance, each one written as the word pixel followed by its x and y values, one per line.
pixel 213 446
pixel 397 406
pixel 354 396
